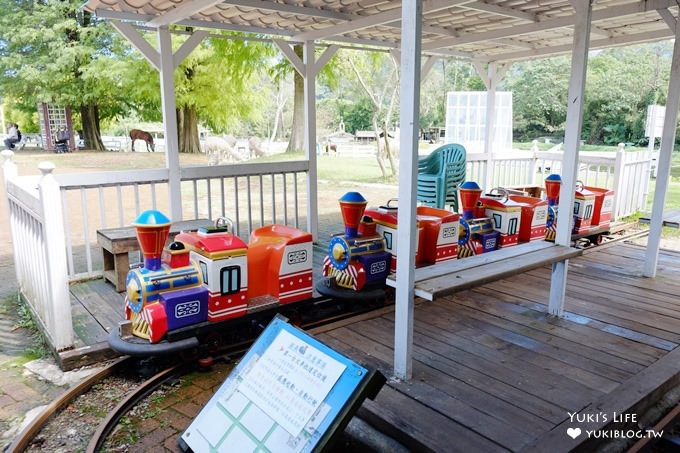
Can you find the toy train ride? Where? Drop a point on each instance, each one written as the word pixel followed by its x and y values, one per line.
pixel 208 282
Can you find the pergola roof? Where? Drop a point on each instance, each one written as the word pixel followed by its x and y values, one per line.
pixel 484 31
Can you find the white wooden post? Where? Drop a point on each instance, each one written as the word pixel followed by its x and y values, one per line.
pixel 9 168
pixel 59 322
pixel 664 162
pixel 533 168
pixel 490 81
pixel 572 140
pixel 309 75
pixel 619 182
pixel 411 24
pixel 169 106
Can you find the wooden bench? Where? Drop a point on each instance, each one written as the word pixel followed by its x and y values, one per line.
pixel 117 243
pixel 440 280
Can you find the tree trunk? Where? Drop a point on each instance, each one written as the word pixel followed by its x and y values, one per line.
pixel 89 115
pixel 187 128
pixel 378 153
pixel 297 133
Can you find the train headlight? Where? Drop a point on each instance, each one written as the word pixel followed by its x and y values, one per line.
pixel 339 253
pixel 134 295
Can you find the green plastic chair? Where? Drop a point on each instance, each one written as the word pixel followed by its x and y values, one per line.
pixel 439 176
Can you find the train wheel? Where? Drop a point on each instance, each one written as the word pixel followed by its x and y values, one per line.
pixel 596 239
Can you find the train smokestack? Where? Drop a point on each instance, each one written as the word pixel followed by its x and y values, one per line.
pixel 552 188
pixel 469 196
pixel 152 229
pixel 352 206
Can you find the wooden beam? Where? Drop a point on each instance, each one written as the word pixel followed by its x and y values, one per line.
pixel 310 139
pixel 138 42
pixel 181 12
pixel 188 46
pixel 572 143
pixel 168 107
pixel 412 12
pixel 548 24
pixel 664 161
pixel 501 11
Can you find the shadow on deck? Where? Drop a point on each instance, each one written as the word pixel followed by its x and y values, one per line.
pixel 493 372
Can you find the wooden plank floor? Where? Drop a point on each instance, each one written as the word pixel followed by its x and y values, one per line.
pixel 493 372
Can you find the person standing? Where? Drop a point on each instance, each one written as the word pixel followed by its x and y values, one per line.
pixel 12 136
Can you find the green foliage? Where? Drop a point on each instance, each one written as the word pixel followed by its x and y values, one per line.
pixel 356 115
pixel 539 97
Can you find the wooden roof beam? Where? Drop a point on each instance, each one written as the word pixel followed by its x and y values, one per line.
pixel 501 11
pixel 560 22
pixel 183 11
pixel 386 17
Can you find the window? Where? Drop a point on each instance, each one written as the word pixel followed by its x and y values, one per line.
pixel 512 226
pixel 231 279
pixel 497 221
pixel 589 212
pixel 388 240
pixel 577 207
pixel 204 271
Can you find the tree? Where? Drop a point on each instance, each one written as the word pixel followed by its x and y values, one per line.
pixel 56 52
pixel 539 97
pixel 282 70
pixel 378 77
pixel 214 84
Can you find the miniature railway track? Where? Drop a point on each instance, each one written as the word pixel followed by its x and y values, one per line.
pixel 669 441
pixel 618 233
pixel 621 233
pixel 122 367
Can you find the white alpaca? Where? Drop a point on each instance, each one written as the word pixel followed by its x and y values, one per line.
pixel 219 151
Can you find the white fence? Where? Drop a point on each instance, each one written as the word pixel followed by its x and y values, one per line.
pixel 54 218
pixel 627 173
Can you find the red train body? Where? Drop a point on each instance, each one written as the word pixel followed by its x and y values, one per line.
pixel 212 275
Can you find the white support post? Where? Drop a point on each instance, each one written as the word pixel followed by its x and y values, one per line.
pixel 490 124
pixel 412 11
pixel 58 320
pixel 9 168
pixel 664 162
pixel 169 106
pixel 310 139
pixel 572 140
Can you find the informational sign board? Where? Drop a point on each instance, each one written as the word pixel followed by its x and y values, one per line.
pixel 289 393
pixel 654 122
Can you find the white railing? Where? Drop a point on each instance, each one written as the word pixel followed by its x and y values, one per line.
pixel 39 251
pixel 54 218
pixel 627 173
pixel 252 195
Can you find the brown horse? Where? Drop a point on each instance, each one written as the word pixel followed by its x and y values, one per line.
pixel 138 134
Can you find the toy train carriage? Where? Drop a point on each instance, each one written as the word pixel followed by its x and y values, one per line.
pixel 436 233
pixel 275 267
pixel 603 207
pixel 356 259
pixel 212 275
pixel 584 205
pixel 592 211
pixel 534 217
pixel 505 215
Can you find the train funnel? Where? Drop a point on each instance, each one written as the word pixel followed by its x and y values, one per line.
pixel 352 206
pixel 152 229
pixel 469 196
pixel 552 188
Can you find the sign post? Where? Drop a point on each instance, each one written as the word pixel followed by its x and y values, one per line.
pixel 289 393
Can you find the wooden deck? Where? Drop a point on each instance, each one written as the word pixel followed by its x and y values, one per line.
pixel 493 372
